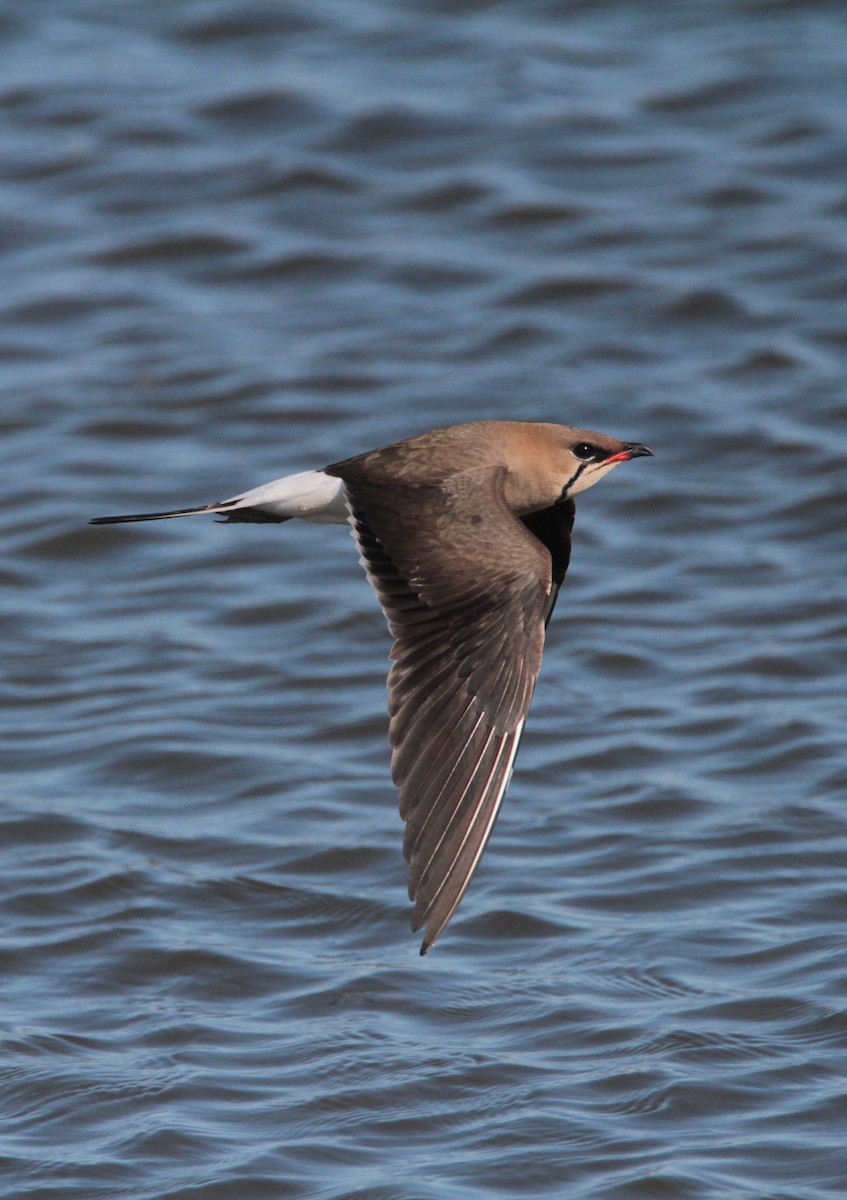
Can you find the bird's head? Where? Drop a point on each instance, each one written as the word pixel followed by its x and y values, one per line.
pixel 551 463
pixel 585 457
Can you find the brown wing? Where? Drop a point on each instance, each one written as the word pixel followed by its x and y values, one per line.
pixel 466 590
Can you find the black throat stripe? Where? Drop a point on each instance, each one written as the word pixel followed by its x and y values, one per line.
pixel 572 480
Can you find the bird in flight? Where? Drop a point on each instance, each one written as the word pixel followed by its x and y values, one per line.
pixel 465 535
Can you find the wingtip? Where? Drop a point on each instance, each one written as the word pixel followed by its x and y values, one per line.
pixel 430 936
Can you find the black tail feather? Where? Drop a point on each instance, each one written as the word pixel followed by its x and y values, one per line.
pixel 159 516
pixel 245 515
pixel 252 516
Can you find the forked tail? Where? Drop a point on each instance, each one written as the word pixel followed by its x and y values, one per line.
pixel 177 512
pixel 312 495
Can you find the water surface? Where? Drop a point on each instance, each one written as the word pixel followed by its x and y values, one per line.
pixel 241 239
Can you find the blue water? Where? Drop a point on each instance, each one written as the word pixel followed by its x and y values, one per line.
pixel 241 239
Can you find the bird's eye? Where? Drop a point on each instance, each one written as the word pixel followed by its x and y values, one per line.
pixel 585 451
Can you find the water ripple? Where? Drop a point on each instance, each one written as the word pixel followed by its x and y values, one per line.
pixel 248 238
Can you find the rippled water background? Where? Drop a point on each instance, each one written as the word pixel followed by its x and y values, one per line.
pixel 244 238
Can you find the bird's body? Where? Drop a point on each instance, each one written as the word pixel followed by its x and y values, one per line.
pixel 464 534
